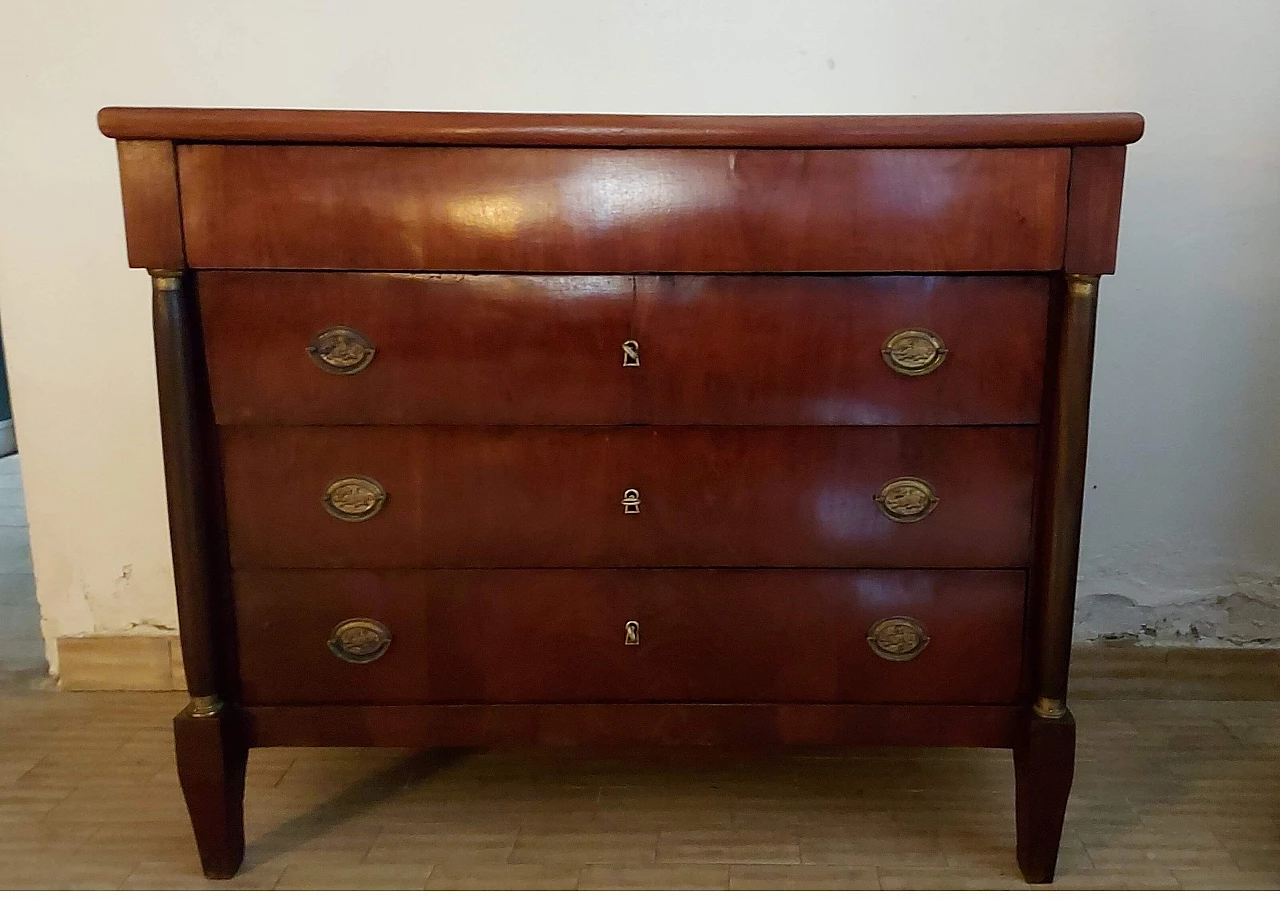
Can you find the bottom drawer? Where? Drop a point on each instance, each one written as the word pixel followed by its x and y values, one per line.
pixel 599 635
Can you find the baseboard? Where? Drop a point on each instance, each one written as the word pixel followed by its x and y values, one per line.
pixel 108 662
pixel 1107 671
pixel 1120 671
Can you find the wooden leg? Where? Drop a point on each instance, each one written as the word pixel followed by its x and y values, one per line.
pixel 1044 760
pixel 211 763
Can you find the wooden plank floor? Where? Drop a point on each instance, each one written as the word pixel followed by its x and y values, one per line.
pixel 1168 795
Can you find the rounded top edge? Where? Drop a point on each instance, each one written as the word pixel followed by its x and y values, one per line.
pixel 600 130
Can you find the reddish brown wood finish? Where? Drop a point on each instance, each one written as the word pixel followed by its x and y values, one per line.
pixel 631 724
pixel 543 210
pixel 461 497
pixel 1093 210
pixel 723 349
pixel 448 348
pixel 1044 758
pixel 152 213
pixel 325 126
pixel 492 349
pixel 949 198
pixel 710 635
pixel 211 755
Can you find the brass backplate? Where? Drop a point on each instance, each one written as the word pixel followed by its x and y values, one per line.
pixel 359 640
pixel 341 350
pixel 898 638
pixel 354 498
pixel 907 499
pixel 913 351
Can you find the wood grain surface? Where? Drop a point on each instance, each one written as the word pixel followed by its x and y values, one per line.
pixel 603 211
pixel 544 350
pixel 720 496
pixel 327 126
pixel 727 635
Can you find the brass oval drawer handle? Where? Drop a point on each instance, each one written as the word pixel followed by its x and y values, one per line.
pixel 907 499
pixel 359 640
pixel 913 351
pixel 341 351
pixel 898 638
pixel 354 498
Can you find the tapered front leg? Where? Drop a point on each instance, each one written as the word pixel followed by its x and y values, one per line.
pixel 1044 764
pixel 211 764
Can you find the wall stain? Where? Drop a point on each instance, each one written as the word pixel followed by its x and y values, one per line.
pixel 1237 619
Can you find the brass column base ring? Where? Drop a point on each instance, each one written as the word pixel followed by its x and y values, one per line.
pixel 1046 708
pixel 205 707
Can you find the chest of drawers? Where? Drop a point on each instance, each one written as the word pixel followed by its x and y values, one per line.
pixel 586 429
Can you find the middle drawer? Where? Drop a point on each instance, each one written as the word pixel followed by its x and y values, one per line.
pixel 459 496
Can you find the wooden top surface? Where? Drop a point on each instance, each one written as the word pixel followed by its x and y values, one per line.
pixel 555 130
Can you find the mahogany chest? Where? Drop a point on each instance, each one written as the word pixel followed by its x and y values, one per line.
pixel 604 429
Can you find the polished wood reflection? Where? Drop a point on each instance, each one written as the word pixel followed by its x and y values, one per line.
pixel 346 126
pixel 449 348
pixel 627 370
pixel 719 496
pixel 787 350
pixel 537 350
pixel 727 635
pixel 544 210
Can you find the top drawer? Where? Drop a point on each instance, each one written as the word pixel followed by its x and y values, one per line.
pixel 616 210
pixel 329 348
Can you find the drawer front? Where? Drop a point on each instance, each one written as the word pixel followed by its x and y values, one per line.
pixel 615 635
pixel 637 210
pixel 446 349
pixel 841 351
pixel 524 350
pixel 719 496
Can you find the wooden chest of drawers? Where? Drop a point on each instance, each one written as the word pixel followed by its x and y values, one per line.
pixel 588 429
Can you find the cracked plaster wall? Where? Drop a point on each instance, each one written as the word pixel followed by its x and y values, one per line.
pixel 1177 608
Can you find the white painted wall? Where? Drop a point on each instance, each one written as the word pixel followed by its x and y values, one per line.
pixel 1184 499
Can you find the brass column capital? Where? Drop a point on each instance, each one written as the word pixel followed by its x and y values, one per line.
pixel 1083 287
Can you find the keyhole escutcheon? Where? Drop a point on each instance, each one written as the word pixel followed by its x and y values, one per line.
pixel 631 501
pixel 630 353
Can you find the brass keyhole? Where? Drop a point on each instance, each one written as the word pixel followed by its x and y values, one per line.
pixel 632 635
pixel 631 353
pixel 631 501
